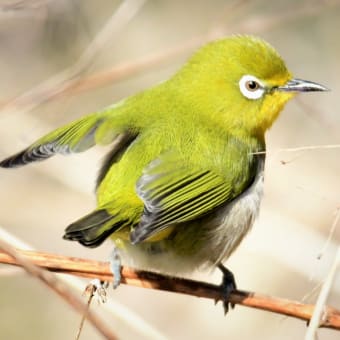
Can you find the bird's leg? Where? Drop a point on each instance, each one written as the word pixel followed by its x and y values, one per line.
pixel 227 286
pixel 116 267
pixel 98 287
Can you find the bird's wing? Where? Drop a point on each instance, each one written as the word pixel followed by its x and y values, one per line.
pixel 174 192
pixel 77 136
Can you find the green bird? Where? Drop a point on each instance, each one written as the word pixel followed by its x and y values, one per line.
pixel 183 183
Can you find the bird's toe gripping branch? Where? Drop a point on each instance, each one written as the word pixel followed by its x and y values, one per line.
pixel 97 287
pixel 228 285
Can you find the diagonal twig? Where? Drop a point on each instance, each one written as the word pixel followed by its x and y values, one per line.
pixel 112 308
pixel 320 310
pixel 69 83
pixel 62 80
pixel 320 306
pixel 57 286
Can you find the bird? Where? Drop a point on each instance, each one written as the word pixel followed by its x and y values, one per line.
pixel 183 182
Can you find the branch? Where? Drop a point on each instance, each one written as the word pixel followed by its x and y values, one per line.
pixel 63 80
pixel 139 278
pixel 113 309
pixel 69 82
pixel 21 259
pixel 325 290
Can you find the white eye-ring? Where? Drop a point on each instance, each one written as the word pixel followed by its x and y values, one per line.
pixel 251 87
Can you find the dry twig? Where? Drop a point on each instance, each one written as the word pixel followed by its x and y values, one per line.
pixel 320 305
pixel 24 261
pixel 101 270
pixel 320 310
pixel 69 82
pixel 112 308
pixel 62 80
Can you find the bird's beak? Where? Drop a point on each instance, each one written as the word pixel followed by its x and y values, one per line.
pixel 299 85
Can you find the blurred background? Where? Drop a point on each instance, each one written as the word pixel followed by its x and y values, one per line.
pixel 62 59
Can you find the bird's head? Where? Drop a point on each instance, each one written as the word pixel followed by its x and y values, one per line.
pixel 241 82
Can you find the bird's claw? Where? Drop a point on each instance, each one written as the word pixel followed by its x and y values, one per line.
pixel 228 285
pixel 97 289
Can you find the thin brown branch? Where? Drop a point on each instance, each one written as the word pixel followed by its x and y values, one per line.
pixel 22 5
pixel 51 87
pixel 112 308
pixel 71 85
pixel 101 270
pixel 21 259
pixel 255 24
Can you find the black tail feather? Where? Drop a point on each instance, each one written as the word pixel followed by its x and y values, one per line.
pixel 93 229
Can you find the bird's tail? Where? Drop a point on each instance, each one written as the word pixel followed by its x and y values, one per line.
pixel 92 229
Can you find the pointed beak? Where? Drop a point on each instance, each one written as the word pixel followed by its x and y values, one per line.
pixel 299 85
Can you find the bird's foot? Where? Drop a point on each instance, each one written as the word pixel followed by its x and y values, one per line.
pixel 97 288
pixel 116 267
pixel 228 285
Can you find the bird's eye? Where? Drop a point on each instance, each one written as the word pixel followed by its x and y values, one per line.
pixel 251 87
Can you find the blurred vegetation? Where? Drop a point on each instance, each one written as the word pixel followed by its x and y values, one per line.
pixel 40 38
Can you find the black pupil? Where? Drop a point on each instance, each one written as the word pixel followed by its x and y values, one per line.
pixel 252 85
